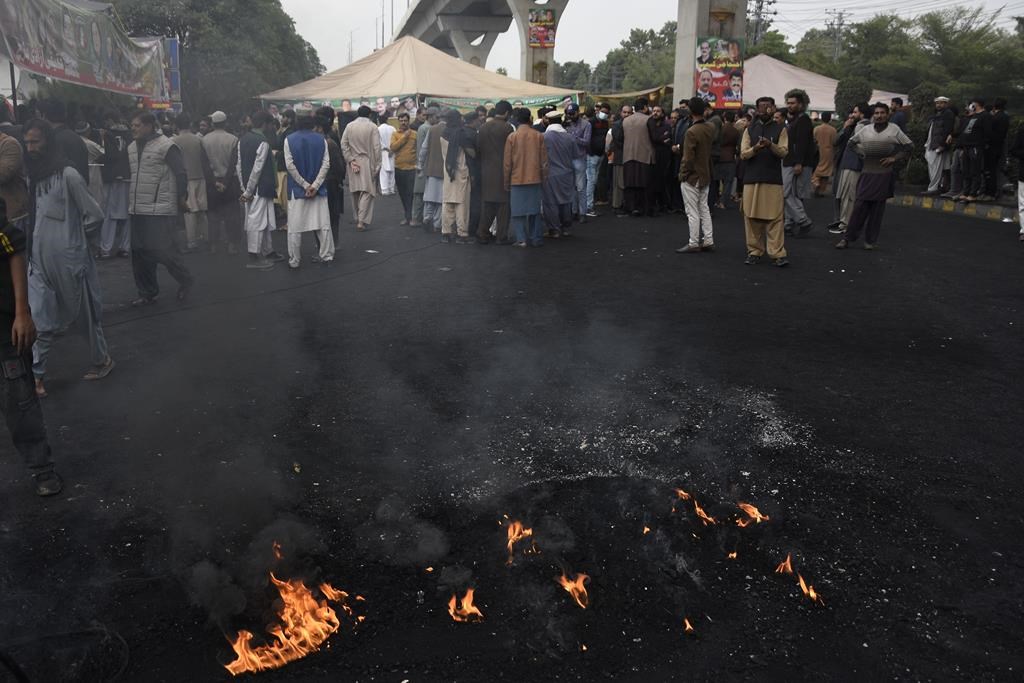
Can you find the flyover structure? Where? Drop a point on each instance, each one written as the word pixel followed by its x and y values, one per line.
pixel 468 28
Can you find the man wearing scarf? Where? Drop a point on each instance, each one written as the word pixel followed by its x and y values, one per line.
pixel 456 142
pixel 18 401
pixel 157 193
pixel 308 160
pixel 257 175
pixel 63 284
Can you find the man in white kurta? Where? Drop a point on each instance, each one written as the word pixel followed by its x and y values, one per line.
pixel 361 146
pixel 307 161
pixel 258 179
pixel 387 164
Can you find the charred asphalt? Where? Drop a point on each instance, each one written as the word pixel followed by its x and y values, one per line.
pixel 381 417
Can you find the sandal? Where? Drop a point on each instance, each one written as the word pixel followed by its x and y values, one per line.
pixel 40 389
pixel 99 371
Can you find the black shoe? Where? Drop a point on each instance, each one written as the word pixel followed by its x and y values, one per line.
pixel 752 260
pixel 463 240
pixel 275 257
pixel 636 214
pixel 482 241
pixel 781 262
pixel 842 244
pixel 836 228
pixel 805 230
pixel 48 484
pixel 446 239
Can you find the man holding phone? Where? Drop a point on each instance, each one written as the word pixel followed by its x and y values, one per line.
pixel 763 146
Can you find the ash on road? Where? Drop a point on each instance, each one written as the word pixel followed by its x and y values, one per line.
pixel 378 420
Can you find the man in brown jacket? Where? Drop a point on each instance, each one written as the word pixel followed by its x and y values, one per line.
pixel 12 181
pixel 637 157
pixel 695 178
pixel 526 169
pixel 491 147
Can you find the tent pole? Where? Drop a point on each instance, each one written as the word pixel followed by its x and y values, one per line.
pixel 14 93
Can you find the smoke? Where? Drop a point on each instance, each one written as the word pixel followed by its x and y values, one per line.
pixel 214 590
pixel 396 537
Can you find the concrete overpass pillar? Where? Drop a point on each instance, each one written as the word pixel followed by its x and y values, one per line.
pixel 698 18
pixel 463 31
pixel 537 63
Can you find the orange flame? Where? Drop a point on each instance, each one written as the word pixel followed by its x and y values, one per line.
pixel 683 495
pixel 809 590
pixel 689 626
pixel 785 567
pixel 516 533
pixel 647 530
pixel 732 555
pixel 277 551
pixel 467 611
pixel 575 588
pixel 706 518
pixel 583 647
pixel 753 514
pixel 306 624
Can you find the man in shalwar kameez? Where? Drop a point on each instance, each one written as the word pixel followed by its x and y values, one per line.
pixel 257 177
pixel 308 160
pixel 560 186
pixel 360 145
pixel 62 282
pixel 456 188
pixel 387 165
pixel 763 146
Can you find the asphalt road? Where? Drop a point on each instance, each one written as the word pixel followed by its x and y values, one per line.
pixel 381 416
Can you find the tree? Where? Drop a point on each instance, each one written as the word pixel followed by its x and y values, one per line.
pixel 574 75
pixel 816 52
pixel 501 71
pixel 646 59
pixel 232 50
pixel 774 45
pixel 851 91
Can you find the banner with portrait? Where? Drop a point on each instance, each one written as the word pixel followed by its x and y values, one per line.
pixel 542 28
pixel 718 79
pixel 81 43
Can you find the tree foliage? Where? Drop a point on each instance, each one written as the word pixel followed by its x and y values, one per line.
pixel 643 60
pixel 574 75
pixel 232 50
pixel 774 45
pixel 851 91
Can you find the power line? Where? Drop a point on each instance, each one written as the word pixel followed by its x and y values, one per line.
pixel 835 26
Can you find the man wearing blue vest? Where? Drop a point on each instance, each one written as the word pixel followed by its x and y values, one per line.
pixel 308 160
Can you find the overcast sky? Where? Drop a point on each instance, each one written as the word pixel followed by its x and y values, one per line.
pixel 587 31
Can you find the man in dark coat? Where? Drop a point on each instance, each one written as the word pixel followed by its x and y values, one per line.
pixel 491 148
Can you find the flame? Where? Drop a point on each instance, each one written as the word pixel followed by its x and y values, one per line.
pixel 429 569
pixel 647 530
pixel 467 612
pixel 583 647
pixel 753 514
pixel 785 567
pixel 277 551
pixel 689 626
pixel 516 533
pixel 809 590
pixel 305 624
pixel 706 518
pixel 683 495
pixel 575 588
pixel 732 555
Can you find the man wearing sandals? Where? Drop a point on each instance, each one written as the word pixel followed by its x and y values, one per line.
pixel 63 284
pixel 18 400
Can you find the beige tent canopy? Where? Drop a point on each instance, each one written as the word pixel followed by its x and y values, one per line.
pixel 409 67
pixel 767 76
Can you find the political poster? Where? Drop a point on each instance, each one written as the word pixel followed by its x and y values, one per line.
pixel 542 28
pixel 719 74
pixel 81 43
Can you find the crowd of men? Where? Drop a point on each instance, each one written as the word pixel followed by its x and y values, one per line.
pixel 154 189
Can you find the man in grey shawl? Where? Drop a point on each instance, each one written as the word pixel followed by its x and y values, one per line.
pixel 560 186
pixel 62 283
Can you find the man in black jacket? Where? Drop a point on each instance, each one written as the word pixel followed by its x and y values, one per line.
pixel 117 174
pixel 995 153
pixel 973 138
pixel 937 149
pixel 798 164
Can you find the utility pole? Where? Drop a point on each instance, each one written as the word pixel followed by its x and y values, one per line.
pixel 835 26
pixel 351 37
pixel 760 20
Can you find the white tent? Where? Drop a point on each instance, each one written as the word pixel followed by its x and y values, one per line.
pixel 409 67
pixel 767 76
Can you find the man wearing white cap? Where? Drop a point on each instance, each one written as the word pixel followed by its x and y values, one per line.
pixel 937 148
pixel 221 147
pixel 308 160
